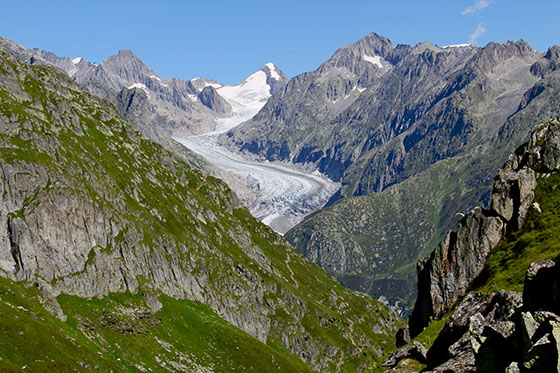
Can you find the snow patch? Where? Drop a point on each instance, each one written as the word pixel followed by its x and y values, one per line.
pixel 76 60
pixel 142 87
pixel 457 46
pixel 361 89
pixel 193 97
pixel 215 85
pixel 376 60
pixel 155 77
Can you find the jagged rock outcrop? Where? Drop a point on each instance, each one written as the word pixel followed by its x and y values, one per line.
pixel 445 276
pixel 497 332
pixel 415 351
pixel 541 290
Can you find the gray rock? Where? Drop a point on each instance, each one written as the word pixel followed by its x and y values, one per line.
pixel 445 276
pixel 513 195
pixel 479 332
pixel 211 99
pixel 513 367
pixel 415 351
pixel 542 357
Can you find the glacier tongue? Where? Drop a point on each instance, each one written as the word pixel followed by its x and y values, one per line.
pixel 284 194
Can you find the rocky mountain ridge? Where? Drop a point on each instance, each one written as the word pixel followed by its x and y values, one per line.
pixel 446 275
pixel 421 144
pixel 179 107
pixel 91 208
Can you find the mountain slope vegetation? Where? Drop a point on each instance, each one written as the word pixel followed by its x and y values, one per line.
pixel 97 217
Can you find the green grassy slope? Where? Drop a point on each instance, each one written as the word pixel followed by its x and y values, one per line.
pixel 393 228
pixel 539 239
pixel 120 333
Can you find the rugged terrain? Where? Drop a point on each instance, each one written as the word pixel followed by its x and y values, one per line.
pixel 417 131
pixel 116 237
pixel 510 248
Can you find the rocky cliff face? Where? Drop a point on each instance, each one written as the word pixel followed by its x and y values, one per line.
pixel 445 276
pixel 505 330
pixel 496 332
pixel 91 207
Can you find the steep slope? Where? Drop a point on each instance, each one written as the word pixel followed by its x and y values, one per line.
pixel 91 208
pixel 446 275
pixel 503 329
pixel 420 169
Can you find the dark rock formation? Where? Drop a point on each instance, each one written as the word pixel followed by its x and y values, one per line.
pixel 542 287
pixel 497 332
pixel 402 337
pixel 415 351
pixel 211 99
pixel 445 276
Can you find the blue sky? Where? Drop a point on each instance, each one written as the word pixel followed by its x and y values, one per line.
pixel 227 40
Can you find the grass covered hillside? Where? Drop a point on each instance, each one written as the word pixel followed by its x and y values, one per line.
pixel 539 239
pixel 144 262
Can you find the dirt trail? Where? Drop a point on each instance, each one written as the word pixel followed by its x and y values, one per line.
pixel 290 269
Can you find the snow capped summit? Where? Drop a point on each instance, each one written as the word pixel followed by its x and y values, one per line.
pixel 249 96
pixel 76 60
pixel 275 77
pixel 273 71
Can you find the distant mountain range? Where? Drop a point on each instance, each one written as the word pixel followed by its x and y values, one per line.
pixel 188 107
pixel 418 131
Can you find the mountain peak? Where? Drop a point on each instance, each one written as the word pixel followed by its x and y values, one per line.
pixel 126 53
pixel 275 78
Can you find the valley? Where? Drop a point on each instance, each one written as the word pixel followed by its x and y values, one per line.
pixel 375 214
pixel 283 193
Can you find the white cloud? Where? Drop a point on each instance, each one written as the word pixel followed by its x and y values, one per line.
pixel 480 29
pixel 477 7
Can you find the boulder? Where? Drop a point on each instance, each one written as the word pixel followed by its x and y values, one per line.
pixel 479 332
pixel 415 351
